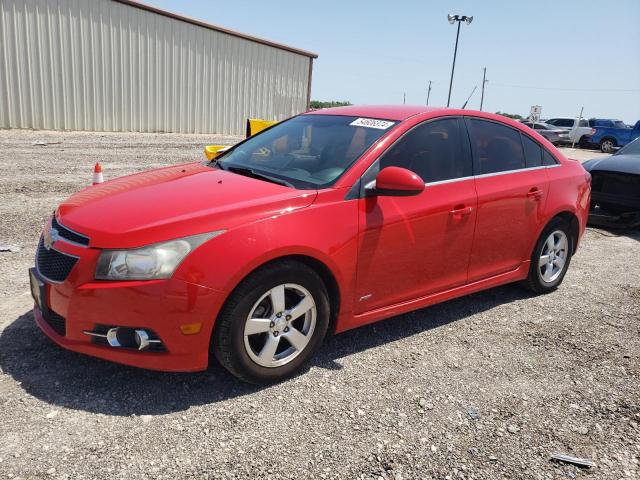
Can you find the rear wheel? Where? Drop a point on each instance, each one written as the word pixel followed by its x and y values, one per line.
pixel 551 257
pixel 583 142
pixel 272 323
pixel 607 145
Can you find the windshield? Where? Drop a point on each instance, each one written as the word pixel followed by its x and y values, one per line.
pixel 631 149
pixel 308 151
pixel 619 124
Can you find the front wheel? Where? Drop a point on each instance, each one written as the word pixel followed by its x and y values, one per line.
pixel 272 323
pixel 550 259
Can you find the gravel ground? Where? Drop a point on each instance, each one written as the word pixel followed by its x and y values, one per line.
pixel 487 386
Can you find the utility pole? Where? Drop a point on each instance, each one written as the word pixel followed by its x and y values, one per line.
pixel 428 92
pixel 404 98
pixel 453 19
pixel 484 80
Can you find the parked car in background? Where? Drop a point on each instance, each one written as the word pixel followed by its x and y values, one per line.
pixel 579 129
pixel 327 221
pixel 557 136
pixel 612 134
pixel 607 122
pixel 615 187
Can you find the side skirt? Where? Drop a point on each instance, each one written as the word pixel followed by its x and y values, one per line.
pixel 371 316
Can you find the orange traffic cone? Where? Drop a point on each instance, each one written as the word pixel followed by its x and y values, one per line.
pixel 97 174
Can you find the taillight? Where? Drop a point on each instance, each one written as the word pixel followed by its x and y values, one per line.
pixel 592 132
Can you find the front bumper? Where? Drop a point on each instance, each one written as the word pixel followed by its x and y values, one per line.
pixel 600 218
pixel 163 306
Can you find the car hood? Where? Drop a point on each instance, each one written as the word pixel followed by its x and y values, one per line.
pixel 615 163
pixel 174 202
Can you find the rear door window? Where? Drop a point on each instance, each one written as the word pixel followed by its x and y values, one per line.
pixel 496 147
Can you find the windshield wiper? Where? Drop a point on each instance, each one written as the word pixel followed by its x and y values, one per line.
pixel 253 174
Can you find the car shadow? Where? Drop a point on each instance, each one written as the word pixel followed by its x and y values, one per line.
pixel 71 380
pixel 632 233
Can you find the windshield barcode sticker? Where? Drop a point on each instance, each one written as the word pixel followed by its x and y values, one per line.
pixel 372 123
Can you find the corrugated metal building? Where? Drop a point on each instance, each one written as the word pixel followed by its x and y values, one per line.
pixel 118 65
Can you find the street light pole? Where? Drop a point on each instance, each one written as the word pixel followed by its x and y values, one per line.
pixel 452 19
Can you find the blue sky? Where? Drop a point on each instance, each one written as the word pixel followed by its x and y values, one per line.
pixel 560 54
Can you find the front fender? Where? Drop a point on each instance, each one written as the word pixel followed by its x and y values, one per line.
pixel 326 231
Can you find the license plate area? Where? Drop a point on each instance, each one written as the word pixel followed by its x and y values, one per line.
pixel 38 290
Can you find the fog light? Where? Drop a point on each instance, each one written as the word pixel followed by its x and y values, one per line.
pixel 112 337
pixel 126 337
pixel 142 339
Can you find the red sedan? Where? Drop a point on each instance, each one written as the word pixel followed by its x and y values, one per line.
pixel 325 222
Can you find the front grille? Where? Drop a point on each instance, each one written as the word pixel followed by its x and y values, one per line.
pixel 52 264
pixel 55 321
pixel 67 234
pixel 620 184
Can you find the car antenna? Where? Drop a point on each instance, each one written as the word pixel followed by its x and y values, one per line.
pixel 470 95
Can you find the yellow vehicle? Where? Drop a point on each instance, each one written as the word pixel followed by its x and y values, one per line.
pixel 214 151
pixel 254 125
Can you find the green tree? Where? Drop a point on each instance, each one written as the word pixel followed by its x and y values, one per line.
pixel 515 116
pixel 319 104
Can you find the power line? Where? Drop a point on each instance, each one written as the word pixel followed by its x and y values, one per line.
pixel 532 87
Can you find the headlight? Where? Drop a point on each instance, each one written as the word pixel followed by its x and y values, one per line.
pixel 151 262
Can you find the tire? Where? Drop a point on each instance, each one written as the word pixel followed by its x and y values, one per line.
pixel 253 320
pixel 607 145
pixel 583 142
pixel 541 280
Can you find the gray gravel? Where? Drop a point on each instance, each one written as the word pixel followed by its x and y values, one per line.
pixel 487 386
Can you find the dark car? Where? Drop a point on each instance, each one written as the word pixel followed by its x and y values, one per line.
pixel 555 135
pixel 615 187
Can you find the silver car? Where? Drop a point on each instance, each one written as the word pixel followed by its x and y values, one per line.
pixel 555 135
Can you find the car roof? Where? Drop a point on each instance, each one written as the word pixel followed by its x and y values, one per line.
pixel 386 112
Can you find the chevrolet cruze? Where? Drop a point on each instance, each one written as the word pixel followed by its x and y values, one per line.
pixel 325 222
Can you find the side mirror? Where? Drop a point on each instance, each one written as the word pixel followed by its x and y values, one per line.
pixel 214 151
pixel 395 182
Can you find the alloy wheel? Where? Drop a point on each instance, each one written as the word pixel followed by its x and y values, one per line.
pixel 280 325
pixel 553 256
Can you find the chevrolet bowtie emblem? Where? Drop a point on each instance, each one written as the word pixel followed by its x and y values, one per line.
pixel 51 236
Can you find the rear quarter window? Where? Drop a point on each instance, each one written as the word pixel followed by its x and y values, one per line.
pixel 548 159
pixel 532 152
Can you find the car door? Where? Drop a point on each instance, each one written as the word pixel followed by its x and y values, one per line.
pixel 413 246
pixel 512 189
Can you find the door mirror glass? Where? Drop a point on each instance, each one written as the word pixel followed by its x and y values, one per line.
pixel 396 182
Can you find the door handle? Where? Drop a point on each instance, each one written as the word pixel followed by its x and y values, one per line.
pixel 535 193
pixel 461 211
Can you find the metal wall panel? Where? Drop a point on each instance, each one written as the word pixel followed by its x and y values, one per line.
pixel 106 66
